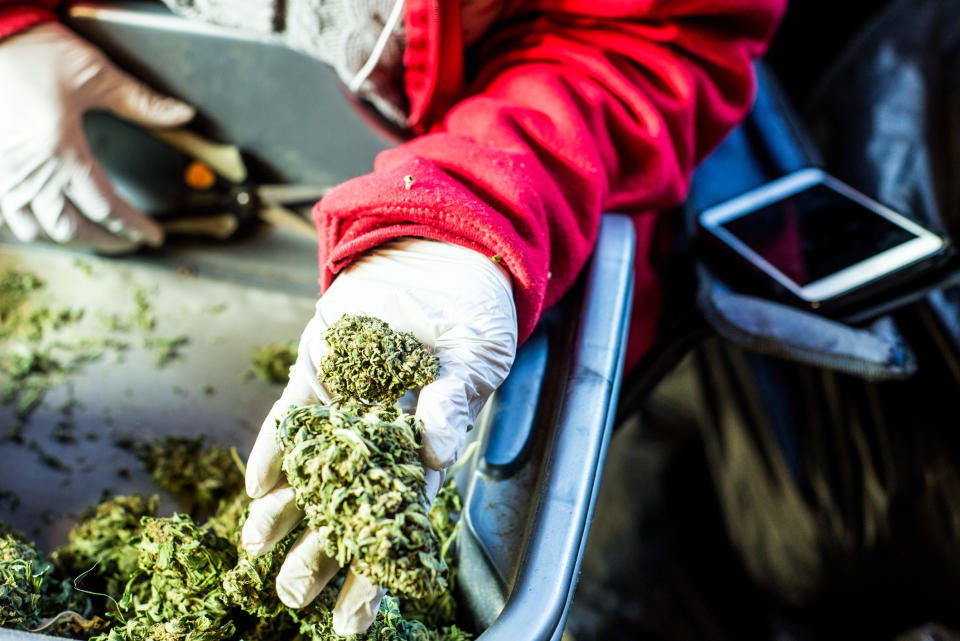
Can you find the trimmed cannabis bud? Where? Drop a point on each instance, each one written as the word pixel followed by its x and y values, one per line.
pixel 250 584
pixel 184 465
pixel 103 546
pixel 371 363
pixel 440 608
pixel 175 594
pixel 184 564
pixel 22 573
pixel 360 481
pixel 272 362
pixel 172 587
pixel 355 468
pixel 191 627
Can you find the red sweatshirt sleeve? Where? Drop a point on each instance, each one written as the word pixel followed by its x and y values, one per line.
pixel 569 116
pixel 17 16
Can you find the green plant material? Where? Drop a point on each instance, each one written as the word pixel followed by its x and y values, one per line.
pixel 68 623
pixel 15 289
pixel 371 363
pixel 360 482
pixel 215 308
pixel 171 578
pixel 229 514
pixel 113 322
pixel 316 622
pixel 30 367
pixel 250 584
pixel 408 182
pixel 143 315
pixel 195 627
pixel 440 608
pixel 104 545
pixel 22 573
pixel 182 581
pixel 272 362
pixel 83 267
pixel 166 350
pixel 184 564
pixel 202 476
pixel 28 372
pixel 63 432
pixel 48 459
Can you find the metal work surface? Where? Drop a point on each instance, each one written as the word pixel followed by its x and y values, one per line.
pixel 204 391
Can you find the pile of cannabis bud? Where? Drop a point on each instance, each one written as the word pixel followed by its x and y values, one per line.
pixel 355 465
pixel 180 578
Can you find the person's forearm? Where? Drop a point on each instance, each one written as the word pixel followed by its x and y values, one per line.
pixel 17 16
pixel 568 118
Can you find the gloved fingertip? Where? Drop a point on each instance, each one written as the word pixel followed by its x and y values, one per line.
pixel 257 486
pixel 255 549
pixel 291 597
pixel 179 112
pixel 345 624
pixel 357 605
pixel 154 236
pixel 251 539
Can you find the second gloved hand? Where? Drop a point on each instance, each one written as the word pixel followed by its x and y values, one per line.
pixel 457 302
pixel 50 184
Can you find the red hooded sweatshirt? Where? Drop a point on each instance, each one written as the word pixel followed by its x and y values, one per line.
pixel 565 109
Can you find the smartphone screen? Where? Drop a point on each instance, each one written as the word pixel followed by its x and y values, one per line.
pixel 815 233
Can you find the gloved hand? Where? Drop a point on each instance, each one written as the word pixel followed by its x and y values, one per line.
pixel 456 301
pixel 50 183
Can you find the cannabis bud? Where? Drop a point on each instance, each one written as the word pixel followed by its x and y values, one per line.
pixel 185 466
pixel 22 572
pixel 371 363
pixel 103 546
pixel 360 481
pixel 355 468
pixel 272 362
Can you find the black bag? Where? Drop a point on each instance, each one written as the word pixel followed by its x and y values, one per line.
pixel 835 447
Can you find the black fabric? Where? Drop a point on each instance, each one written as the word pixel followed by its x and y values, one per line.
pixel 839 479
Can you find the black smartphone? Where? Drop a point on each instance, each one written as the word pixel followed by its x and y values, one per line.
pixel 814 241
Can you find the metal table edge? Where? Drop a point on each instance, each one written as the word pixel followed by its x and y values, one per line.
pixel 537 606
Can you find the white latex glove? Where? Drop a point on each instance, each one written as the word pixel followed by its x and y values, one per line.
pixel 50 184
pixel 456 301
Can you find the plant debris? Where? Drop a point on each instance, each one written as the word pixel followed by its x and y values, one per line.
pixel 143 315
pixel 166 350
pixel 35 358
